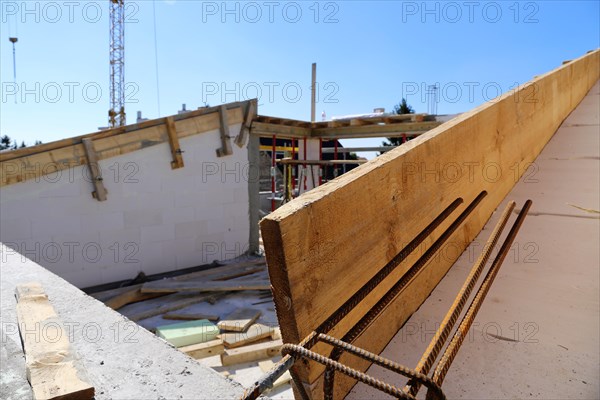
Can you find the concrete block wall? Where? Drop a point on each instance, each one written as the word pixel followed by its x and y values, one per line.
pixel 155 219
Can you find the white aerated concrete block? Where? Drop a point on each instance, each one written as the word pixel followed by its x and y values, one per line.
pixel 155 218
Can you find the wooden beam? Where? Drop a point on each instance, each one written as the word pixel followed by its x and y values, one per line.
pixel 225 149
pixel 169 286
pixel 239 320
pixel 286 161
pixel 203 350
pixel 132 295
pixel 253 352
pixel 52 367
pixel 268 130
pixel 99 192
pixel 345 132
pixel 329 150
pixel 322 248
pixel 119 297
pixel 190 316
pixel 18 166
pixel 249 115
pixel 176 151
pixel 254 333
pixel 169 303
pixel 267 365
pixel 107 133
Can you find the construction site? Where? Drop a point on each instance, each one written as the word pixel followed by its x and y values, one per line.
pixel 221 253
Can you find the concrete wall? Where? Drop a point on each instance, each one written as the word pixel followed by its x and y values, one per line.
pixel 155 219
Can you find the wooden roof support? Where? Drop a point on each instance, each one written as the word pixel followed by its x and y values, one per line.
pixel 341 129
pixel 249 115
pixel 176 151
pixel 374 130
pixel 100 191
pixel 289 161
pixel 225 149
pixel 58 144
pixel 266 129
pixel 33 162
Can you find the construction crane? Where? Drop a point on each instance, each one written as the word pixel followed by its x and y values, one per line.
pixel 116 113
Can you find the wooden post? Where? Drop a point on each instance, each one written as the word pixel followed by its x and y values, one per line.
pixel 174 143
pixel 225 149
pixel 100 191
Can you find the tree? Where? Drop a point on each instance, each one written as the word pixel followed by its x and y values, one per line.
pixel 6 143
pixel 403 108
pixel 400 108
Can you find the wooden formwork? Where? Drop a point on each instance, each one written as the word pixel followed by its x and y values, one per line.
pixel 49 158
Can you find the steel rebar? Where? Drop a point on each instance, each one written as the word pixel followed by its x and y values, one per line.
pixel 438 341
pixel 450 353
pixel 393 292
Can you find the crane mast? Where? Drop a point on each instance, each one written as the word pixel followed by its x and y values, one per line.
pixel 116 114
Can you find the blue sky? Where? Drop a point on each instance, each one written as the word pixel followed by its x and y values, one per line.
pixel 369 54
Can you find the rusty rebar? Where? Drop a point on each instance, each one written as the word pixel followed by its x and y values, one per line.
pixel 286 363
pixel 384 362
pixel 450 353
pixel 300 351
pixel 393 292
pixel 438 341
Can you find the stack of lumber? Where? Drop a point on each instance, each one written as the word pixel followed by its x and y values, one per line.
pixel 247 341
pixel 241 338
pixel 184 290
pixel 237 336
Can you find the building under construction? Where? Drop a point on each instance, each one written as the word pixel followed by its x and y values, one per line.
pixel 160 260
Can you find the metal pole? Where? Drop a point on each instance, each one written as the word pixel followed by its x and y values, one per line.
pixel 273 156
pixel 313 94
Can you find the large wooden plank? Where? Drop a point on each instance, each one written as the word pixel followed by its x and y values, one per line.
pixel 322 247
pixel 52 368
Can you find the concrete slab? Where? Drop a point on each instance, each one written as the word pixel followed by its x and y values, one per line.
pixel 537 334
pixel 123 360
